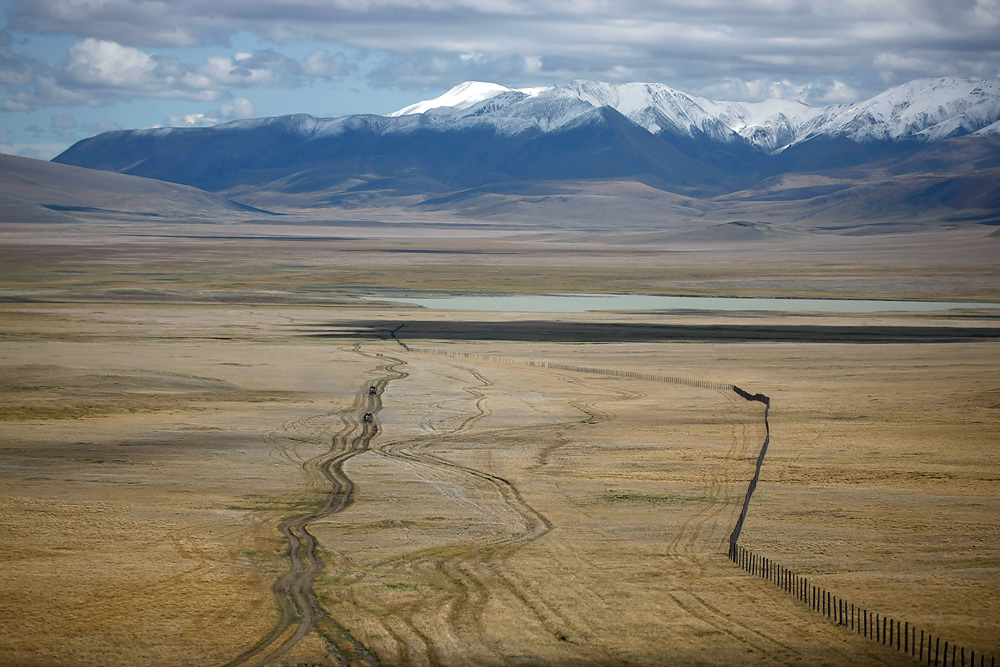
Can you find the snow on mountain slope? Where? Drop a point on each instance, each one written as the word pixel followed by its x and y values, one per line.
pixel 923 110
pixel 992 128
pixel 654 106
pixel 484 120
pixel 462 96
pixel 926 110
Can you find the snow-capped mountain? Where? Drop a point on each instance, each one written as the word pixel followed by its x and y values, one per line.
pixel 653 106
pixel 925 110
pixel 480 134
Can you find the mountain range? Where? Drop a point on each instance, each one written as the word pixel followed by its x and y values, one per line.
pixel 930 147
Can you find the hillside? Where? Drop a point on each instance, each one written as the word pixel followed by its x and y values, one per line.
pixel 39 191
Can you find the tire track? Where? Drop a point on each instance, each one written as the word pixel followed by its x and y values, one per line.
pixel 718 482
pixel 477 568
pixel 297 602
pixel 472 567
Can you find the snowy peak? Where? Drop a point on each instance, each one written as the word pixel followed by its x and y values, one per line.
pixel 462 96
pixel 922 110
pixel 653 106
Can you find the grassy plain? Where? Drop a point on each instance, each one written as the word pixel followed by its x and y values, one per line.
pixel 166 394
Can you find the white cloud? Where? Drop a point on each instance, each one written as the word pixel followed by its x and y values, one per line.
pixel 240 108
pixel 98 72
pixel 689 44
pixel 95 62
pixel 818 92
pixel 191 120
pixel 840 93
pixel 320 64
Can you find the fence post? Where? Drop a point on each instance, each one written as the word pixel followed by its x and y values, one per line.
pixel 906 638
pixel 937 650
pixel 891 628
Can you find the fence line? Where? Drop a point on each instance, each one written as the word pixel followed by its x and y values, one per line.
pixel 738 528
pixel 894 633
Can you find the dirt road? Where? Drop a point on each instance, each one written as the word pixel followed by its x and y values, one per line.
pixel 296 600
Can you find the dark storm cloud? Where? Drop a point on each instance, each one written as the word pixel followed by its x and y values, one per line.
pixel 746 48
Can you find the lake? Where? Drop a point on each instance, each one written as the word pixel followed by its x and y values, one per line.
pixel 581 303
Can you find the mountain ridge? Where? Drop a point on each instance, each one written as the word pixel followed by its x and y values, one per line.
pixel 932 108
pixel 487 138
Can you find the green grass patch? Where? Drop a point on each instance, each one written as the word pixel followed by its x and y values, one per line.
pixel 613 496
pixel 50 412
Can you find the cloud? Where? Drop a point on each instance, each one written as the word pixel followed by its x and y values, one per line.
pixel 191 120
pixel 690 44
pixel 320 64
pixel 98 72
pixel 241 107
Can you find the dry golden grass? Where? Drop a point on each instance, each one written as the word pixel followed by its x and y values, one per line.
pixel 504 514
pixel 165 407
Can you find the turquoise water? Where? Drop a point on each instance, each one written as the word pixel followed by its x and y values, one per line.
pixel 581 303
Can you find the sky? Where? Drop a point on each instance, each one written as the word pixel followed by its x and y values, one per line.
pixel 70 69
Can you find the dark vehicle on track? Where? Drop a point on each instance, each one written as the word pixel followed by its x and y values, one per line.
pixel 372 390
pixel 368 417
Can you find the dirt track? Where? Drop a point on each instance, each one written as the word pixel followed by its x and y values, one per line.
pixel 294 590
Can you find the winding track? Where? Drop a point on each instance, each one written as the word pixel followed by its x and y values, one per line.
pixel 475 567
pixel 293 592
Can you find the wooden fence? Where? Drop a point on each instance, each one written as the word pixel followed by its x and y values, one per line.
pixel 900 635
pixel 894 633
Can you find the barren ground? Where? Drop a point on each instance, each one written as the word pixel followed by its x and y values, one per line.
pixel 501 513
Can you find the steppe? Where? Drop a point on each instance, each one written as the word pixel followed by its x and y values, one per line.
pixel 181 403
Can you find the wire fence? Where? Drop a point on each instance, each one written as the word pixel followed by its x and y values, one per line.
pixel 900 635
pixel 894 633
